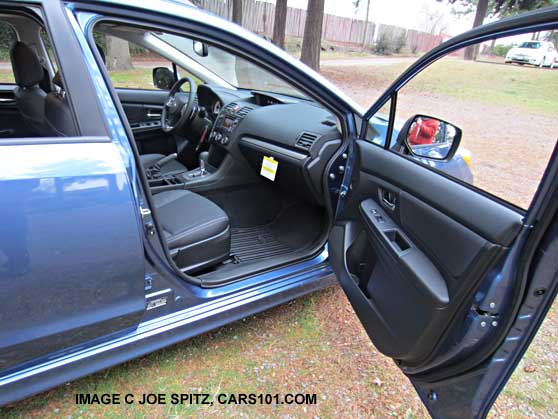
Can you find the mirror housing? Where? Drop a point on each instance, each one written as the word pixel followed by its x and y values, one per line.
pixel 201 48
pixel 430 138
pixel 163 78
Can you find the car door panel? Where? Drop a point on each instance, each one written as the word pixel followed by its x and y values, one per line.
pixel 410 252
pixel 71 255
pixel 143 109
pixel 495 222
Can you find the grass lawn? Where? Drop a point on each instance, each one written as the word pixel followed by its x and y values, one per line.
pixel 528 88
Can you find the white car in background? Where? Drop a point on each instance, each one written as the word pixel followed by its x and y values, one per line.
pixel 539 53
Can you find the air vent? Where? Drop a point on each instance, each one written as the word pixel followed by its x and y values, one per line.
pixel 244 111
pixel 231 106
pixel 305 140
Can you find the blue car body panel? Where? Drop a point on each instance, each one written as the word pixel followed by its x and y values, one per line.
pixel 71 258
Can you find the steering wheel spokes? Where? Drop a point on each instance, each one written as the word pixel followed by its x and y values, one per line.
pixel 176 109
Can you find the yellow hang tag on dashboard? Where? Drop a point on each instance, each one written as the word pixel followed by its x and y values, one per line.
pixel 269 168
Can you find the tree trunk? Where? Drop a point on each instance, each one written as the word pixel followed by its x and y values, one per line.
pixel 237 12
pixel 492 44
pixel 311 43
pixel 472 51
pixel 118 54
pixel 280 23
pixel 366 24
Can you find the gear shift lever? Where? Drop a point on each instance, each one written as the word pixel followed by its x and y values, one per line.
pixel 203 162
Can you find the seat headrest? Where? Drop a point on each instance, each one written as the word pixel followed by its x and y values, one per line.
pixel 27 68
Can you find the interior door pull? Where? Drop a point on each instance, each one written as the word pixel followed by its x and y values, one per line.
pixel 388 199
pixel 153 114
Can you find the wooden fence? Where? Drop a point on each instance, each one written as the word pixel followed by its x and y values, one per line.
pixel 258 16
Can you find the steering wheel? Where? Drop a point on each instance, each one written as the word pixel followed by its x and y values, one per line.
pixel 177 112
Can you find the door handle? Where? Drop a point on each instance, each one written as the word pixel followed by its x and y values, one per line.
pixel 151 114
pixel 389 199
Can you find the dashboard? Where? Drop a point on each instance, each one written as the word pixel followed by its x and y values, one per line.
pixel 250 125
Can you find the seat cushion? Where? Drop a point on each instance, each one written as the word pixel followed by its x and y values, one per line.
pixel 148 160
pixel 197 230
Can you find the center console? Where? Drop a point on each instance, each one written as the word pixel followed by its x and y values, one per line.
pixel 220 139
pixel 180 180
pixel 226 122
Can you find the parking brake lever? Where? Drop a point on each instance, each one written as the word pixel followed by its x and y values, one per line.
pixel 165 160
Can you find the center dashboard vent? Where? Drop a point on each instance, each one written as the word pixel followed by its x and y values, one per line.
pixel 230 106
pixel 244 111
pixel 305 140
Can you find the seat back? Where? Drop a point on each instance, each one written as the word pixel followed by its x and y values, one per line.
pixel 58 115
pixel 30 98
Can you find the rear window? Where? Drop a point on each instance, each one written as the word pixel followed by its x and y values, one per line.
pixel 530 45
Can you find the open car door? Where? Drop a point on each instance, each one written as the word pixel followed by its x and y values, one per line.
pixel 447 280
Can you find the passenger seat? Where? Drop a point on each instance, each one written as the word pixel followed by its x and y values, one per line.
pixel 196 230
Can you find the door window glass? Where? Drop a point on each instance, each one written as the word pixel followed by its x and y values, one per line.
pixel 130 66
pixel 504 103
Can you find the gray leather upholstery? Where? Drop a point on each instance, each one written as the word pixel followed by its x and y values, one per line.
pixel 197 230
pixel 30 98
pixel 148 160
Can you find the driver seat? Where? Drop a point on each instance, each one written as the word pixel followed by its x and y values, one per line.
pixel 148 160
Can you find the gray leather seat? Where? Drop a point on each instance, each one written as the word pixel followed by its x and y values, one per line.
pixel 29 97
pixel 197 230
pixel 148 160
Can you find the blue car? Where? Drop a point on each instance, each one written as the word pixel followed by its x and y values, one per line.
pixel 134 218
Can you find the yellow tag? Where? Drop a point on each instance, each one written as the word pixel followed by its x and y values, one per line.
pixel 269 167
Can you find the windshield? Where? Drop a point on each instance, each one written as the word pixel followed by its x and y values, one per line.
pixel 530 45
pixel 234 70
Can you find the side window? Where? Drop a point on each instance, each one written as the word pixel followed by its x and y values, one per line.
pixel 130 66
pixel 504 106
pixel 378 126
pixel 8 38
pixel 49 50
pixel 38 106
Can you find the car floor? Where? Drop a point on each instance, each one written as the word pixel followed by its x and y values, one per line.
pixel 267 226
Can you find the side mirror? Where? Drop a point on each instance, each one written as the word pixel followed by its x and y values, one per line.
pixel 163 78
pixel 430 138
pixel 201 48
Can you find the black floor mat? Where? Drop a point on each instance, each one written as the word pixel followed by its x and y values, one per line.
pixel 253 243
